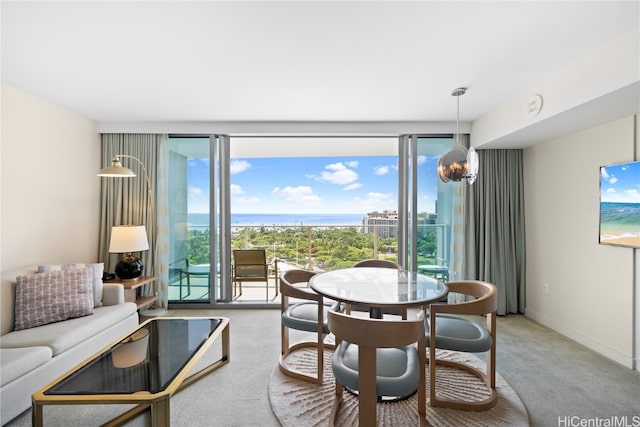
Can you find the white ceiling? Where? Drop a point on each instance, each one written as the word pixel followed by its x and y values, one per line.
pixel 298 61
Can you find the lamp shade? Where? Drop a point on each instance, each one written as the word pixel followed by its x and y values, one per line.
pixel 128 238
pixel 458 163
pixel 452 166
pixel 116 170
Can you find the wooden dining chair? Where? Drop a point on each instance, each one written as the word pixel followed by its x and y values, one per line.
pixel 447 329
pixel 377 357
pixel 380 263
pixel 309 314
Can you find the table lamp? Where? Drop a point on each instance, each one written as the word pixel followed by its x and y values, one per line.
pixel 127 239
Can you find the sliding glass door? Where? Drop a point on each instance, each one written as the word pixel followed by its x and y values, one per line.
pixel 190 232
pixel 425 206
pixel 313 203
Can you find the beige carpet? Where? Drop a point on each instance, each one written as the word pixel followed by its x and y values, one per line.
pixel 298 403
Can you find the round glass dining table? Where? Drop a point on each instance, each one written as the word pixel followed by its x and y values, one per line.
pixel 377 287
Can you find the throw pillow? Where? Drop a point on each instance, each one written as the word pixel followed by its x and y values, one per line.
pixel 98 270
pixel 52 297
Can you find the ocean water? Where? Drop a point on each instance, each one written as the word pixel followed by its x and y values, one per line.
pixel 619 220
pixel 202 219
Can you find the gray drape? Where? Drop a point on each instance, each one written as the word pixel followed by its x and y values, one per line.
pixel 495 232
pixel 125 201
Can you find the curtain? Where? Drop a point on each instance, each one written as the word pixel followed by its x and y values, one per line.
pixel 162 236
pixel 457 255
pixel 495 234
pixel 126 201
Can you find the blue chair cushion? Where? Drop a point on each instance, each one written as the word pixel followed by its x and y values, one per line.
pixel 398 369
pixel 459 334
pixel 303 316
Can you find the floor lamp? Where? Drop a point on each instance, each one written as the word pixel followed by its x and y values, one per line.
pixel 116 170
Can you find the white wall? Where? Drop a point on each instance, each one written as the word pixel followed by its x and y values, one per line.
pixel 50 194
pixel 600 87
pixel 590 286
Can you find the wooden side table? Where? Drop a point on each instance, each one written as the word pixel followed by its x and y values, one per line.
pixel 131 293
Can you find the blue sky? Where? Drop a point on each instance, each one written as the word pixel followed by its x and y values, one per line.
pixel 620 183
pixel 332 185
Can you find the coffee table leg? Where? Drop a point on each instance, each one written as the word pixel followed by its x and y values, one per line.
pixel 225 344
pixel 36 414
pixel 160 413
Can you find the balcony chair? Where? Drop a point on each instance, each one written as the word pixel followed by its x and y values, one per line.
pixel 309 315
pixel 382 263
pixel 183 269
pixel 458 333
pixel 250 265
pixel 439 270
pixel 378 357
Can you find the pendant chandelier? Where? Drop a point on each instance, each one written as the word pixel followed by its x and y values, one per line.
pixel 458 163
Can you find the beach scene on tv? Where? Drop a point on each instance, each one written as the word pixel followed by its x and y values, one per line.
pixel 620 204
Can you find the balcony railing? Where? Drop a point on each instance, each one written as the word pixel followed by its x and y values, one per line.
pixel 317 247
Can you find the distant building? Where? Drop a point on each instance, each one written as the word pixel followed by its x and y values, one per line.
pixel 385 222
pixel 425 218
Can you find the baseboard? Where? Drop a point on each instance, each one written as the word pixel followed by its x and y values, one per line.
pixel 605 350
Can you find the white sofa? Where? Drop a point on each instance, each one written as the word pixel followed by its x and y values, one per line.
pixel 32 358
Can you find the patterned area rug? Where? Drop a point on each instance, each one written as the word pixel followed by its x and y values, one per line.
pixel 298 403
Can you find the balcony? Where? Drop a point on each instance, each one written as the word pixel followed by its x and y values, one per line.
pixel 319 248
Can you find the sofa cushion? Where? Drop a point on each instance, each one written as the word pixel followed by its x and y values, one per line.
pixel 62 336
pixel 18 361
pixel 51 297
pixel 97 268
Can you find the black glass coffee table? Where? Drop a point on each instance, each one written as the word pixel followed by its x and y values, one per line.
pixel 145 368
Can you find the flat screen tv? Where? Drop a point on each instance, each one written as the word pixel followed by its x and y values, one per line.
pixel 620 204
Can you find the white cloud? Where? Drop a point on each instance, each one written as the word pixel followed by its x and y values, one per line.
pixel 302 194
pixel 338 173
pixel 381 170
pixel 246 200
pixel 238 166
pixel 422 160
pixel 197 199
pixel 195 192
pixel 379 196
pixel 609 178
pixel 235 189
pixel 353 164
pixel 236 192
pixel 353 186
pixel 193 162
pixel 632 195
pixel 373 202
